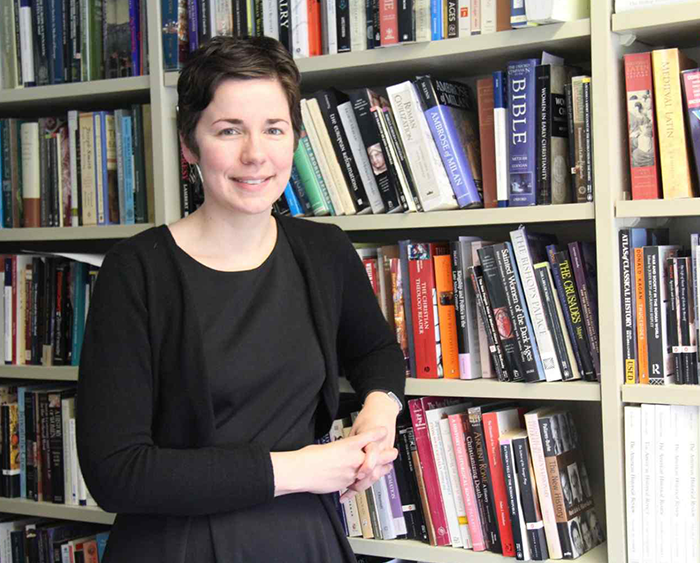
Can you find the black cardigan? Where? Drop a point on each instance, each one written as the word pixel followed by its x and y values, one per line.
pixel 144 415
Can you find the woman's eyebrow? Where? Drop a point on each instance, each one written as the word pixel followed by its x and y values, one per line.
pixel 236 121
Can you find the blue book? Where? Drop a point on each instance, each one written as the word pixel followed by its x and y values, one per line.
pixel 78 322
pixel 135 8
pixel 193 24
pixel 522 121
pixel 169 30
pixel 518 17
pixel 436 19
pixel 101 538
pixel 500 116
pixel 56 41
pixel 295 209
pixel 128 152
pixel 453 121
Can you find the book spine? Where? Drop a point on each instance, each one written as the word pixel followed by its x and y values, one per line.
pixel 458 289
pixel 432 487
pixel 407 181
pixel 691 98
pixel 667 65
pixel 447 316
pixel 627 299
pixel 560 336
pixel 633 482
pixel 408 486
pixel 526 345
pixel 535 307
pixel 588 300
pixel 543 85
pixel 407 21
pixel 522 124
pixel 501 136
pixel 588 137
pixel 308 177
pixel 388 23
pixel 643 143
pixel 641 315
pixel 514 509
pixel 358 26
pixel 443 130
pixel 342 11
pixel 687 320
pixel 451 19
pixel 485 101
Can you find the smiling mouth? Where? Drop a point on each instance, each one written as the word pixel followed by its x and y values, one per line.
pixel 255 182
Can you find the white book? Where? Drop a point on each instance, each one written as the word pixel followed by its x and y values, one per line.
pixel 421 9
pixel 223 18
pixel 470 364
pixel 465 18
pixel 432 418
pixel 340 196
pixel 352 517
pixel 432 184
pixel 500 133
pixel 67 412
pixel 679 482
pixel 476 17
pixel 633 482
pixel 487 368
pixel 74 468
pixel 271 25
pixel 5 529
pixel 521 524
pixel 26 44
pixel 299 15
pixel 628 5
pixel 489 15
pixel 358 26
pixel 649 519
pixel 31 173
pixel 383 508
pixel 460 503
pixel 695 283
pixel 357 146
pixel 543 335
pixel 544 491
pixel 692 535
pixel 553 11
pixel 396 508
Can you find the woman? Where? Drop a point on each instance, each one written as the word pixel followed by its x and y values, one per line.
pixel 214 345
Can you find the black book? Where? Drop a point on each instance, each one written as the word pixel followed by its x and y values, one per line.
pixel 49 309
pixel 460 299
pixel 342 23
pixel 17 545
pixel 686 314
pixel 38 305
pixel 514 509
pixel 547 294
pixel 569 97
pixel 496 290
pixel 137 140
pixel 408 303
pixel 528 496
pixel 407 21
pixel 65 41
pixel 40 27
pixel 240 18
pixel 285 24
pixel 452 15
pixel 54 185
pixel 543 132
pixel 56 439
pixel 571 308
pixel 588 138
pixel 369 15
pixel 281 207
pixel 31 442
pixel 204 22
pixel 672 322
pixel 494 339
pixel 583 259
pixel 408 487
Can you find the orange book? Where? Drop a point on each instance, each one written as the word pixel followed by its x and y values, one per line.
pixel 642 352
pixel 447 315
pixel 314 10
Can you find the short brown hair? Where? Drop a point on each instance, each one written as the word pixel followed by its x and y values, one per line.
pixel 223 58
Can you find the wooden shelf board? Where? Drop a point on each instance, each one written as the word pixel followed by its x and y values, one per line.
pixel 417 551
pixel 449 58
pixel 658 208
pixel 675 25
pixel 662 394
pixel 76 95
pixel 60 511
pixel 463 218
pixel 54 373
pixel 72 233
pixel 488 388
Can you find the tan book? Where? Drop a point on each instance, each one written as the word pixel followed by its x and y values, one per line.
pixel 31 174
pixel 87 168
pixel 676 178
pixel 338 189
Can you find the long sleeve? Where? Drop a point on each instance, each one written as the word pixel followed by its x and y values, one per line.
pixel 369 353
pixel 125 469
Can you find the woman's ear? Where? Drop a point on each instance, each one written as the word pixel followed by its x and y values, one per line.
pixel 187 152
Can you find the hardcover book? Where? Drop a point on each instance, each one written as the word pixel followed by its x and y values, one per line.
pixel 691 91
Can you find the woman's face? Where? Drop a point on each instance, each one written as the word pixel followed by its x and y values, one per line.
pixel 246 146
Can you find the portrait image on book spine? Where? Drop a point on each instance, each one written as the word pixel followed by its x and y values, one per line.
pixel 641 128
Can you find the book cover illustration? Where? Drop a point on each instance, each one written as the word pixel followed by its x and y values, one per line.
pixel 640 112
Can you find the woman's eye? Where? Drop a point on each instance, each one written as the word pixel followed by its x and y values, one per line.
pixel 228 132
pixel 275 131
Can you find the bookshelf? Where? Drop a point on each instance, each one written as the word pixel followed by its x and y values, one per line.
pixel 598 40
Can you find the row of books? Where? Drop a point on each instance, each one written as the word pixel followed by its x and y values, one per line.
pixel 662 475
pixel 429 146
pixel 44 308
pixel 494 477
pixel 311 28
pixel 39 540
pixel 521 310
pixel 659 296
pixel 663 117
pixel 89 168
pixel 45 43
pixel 39 452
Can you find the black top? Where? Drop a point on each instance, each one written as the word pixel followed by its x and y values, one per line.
pixel 145 420
pixel 267 372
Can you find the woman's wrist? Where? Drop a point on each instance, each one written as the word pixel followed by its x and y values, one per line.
pixel 383 400
pixel 287 472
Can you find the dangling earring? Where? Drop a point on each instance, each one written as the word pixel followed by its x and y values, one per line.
pixel 199 173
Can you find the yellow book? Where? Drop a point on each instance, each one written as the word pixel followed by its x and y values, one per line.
pixel 676 177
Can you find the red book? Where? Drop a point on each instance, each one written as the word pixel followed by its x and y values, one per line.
pixel 314 10
pixel 643 142
pixel 484 98
pixel 388 22
pixel 426 330
pixel 496 423
pixel 417 408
